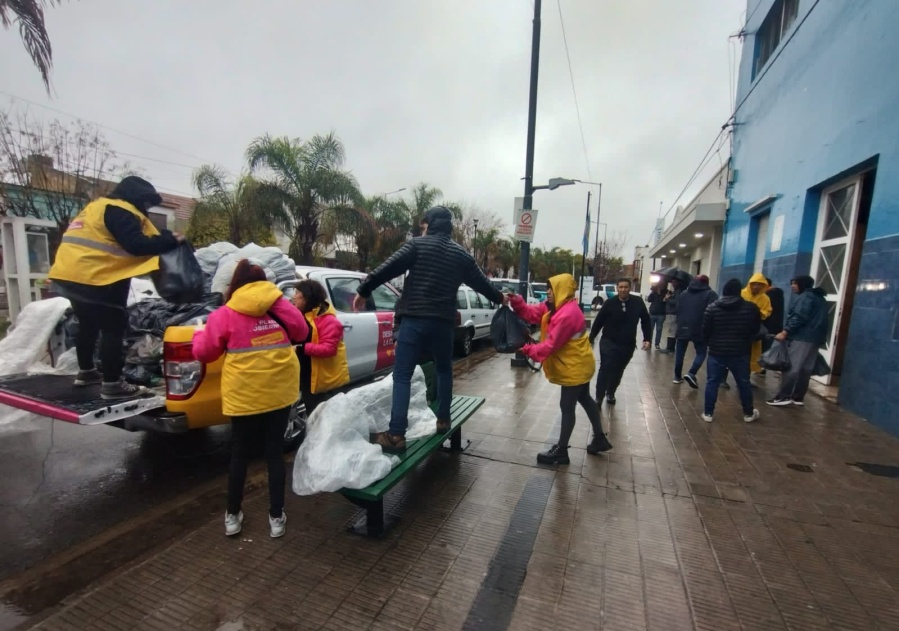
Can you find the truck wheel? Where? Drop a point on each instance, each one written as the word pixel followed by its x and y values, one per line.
pixel 296 427
pixel 463 346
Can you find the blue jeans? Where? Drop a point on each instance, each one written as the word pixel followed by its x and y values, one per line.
pixel 738 365
pixel 417 336
pixel 680 352
pixel 658 323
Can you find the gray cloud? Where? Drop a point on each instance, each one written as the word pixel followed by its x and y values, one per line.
pixel 418 90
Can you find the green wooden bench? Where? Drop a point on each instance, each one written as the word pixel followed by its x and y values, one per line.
pixel 371 498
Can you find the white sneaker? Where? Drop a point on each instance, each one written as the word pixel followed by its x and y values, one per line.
pixel 707 418
pixel 278 526
pixel 677 380
pixel 752 418
pixel 233 523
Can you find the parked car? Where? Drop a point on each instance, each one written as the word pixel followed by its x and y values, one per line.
pixel 511 285
pixel 474 313
pixel 610 290
pixel 539 290
pixel 192 398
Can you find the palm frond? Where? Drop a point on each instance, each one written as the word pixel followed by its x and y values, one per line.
pixel 30 16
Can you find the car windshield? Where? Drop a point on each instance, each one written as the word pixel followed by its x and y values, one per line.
pixel 505 285
pixel 541 287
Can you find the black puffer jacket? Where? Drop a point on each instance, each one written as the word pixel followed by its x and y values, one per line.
pixel 684 280
pixel 730 326
pixel 690 310
pixel 437 265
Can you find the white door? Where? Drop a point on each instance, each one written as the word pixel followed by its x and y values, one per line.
pixel 833 251
pixel 360 330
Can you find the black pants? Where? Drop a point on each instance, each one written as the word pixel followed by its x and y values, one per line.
pixel 94 319
pixel 571 396
pixel 613 359
pixel 244 429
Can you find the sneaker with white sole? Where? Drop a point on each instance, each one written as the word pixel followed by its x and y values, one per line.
pixel 798 402
pixel 677 380
pixel 233 523
pixel 707 418
pixel 121 390
pixel 779 402
pixel 278 525
pixel 691 381
pixel 751 418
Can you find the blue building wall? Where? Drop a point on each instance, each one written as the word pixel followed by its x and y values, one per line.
pixel 827 107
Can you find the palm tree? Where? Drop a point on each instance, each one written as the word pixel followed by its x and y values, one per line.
pixel 308 181
pixel 423 198
pixel 242 205
pixel 29 14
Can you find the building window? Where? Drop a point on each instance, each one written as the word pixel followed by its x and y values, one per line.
pixel 780 18
pixel 159 220
pixel 761 243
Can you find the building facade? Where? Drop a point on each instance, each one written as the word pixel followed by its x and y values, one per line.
pixel 815 182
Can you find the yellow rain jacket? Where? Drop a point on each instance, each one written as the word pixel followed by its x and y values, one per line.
pixel 326 351
pixel 261 371
pixel 90 255
pixel 564 346
pixel 763 302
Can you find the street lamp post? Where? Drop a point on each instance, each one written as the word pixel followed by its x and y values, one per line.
pixel 474 244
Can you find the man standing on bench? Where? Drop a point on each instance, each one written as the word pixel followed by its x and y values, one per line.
pixel 437 266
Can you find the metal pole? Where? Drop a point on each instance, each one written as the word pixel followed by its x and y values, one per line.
pixel 584 256
pixel 519 359
pixel 596 276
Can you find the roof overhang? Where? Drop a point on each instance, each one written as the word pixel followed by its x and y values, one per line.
pixel 702 218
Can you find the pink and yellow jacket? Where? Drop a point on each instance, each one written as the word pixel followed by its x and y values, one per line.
pixel 564 346
pixel 261 372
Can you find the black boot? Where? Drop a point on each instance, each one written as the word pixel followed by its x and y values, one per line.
pixel 554 455
pixel 599 444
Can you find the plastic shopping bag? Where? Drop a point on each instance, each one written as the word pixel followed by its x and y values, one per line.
pixel 508 332
pixel 179 278
pixel 776 358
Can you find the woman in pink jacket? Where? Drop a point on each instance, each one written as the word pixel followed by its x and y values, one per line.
pixel 567 357
pixel 323 365
pixel 255 331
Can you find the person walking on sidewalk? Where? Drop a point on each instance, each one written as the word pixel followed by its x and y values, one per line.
pixel 618 320
pixel 437 266
pixel 690 311
pixel 754 292
pixel 805 332
pixel 323 363
pixel 679 283
pixel 775 322
pixel 255 331
pixel 567 358
pixel 656 300
pixel 729 326
pixel 106 245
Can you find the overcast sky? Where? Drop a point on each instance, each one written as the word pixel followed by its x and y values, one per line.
pixel 418 90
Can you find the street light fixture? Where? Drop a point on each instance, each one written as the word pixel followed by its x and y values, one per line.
pixel 474 244
pixel 399 190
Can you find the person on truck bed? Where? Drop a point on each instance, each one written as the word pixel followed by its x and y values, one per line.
pixel 255 331
pixel 437 266
pixel 106 245
pixel 323 365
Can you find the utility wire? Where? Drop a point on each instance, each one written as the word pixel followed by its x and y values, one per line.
pixel 574 91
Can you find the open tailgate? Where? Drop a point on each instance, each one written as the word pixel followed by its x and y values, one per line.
pixel 56 397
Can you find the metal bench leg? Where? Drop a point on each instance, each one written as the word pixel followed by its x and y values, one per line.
pixel 455 440
pixel 372 524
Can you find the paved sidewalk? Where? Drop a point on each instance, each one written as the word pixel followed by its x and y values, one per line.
pixel 685 525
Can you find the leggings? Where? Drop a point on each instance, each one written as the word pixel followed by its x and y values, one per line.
pixel 272 426
pixel 571 396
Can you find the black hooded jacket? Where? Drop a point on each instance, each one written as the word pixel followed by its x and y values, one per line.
pixel 437 265
pixel 730 326
pixel 684 280
pixel 691 308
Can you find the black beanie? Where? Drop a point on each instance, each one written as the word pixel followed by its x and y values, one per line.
pixel 439 220
pixel 803 282
pixel 733 287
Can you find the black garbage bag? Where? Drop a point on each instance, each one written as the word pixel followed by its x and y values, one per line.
pixel 179 278
pixel 821 369
pixel 154 315
pixel 776 358
pixel 508 332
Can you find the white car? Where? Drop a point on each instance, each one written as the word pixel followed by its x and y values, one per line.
pixel 474 313
pixel 511 285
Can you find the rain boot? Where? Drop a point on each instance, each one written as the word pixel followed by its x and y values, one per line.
pixel 554 455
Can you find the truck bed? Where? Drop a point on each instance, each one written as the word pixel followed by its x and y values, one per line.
pixel 56 397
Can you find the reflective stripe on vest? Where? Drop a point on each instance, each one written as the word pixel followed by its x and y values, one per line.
pixel 96 245
pixel 251 349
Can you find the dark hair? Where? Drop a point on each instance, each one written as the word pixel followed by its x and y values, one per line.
pixel 733 287
pixel 244 274
pixel 770 282
pixel 624 280
pixel 313 292
pixel 803 282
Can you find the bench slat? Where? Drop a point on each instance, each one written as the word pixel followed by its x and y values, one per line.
pixel 462 408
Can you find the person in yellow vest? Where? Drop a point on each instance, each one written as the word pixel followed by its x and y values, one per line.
pixel 754 292
pixel 323 365
pixel 106 245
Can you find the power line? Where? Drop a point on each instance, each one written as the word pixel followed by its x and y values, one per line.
pixel 106 127
pixel 574 91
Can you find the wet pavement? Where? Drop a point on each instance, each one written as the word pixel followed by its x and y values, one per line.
pixel 780 524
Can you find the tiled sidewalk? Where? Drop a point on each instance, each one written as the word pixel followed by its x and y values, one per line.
pixel 685 525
